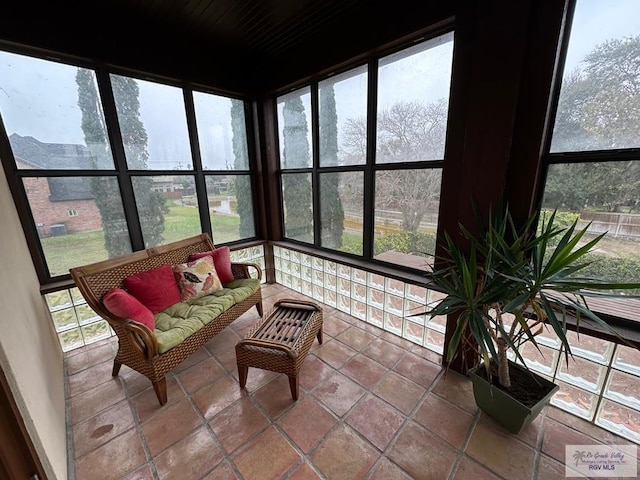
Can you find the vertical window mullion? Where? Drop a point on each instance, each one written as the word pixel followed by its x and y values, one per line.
pixel 201 186
pixel 315 162
pixel 253 142
pixel 369 172
pixel 120 160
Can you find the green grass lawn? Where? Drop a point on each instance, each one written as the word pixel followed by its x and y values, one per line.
pixel 181 222
pixel 68 251
pixel 77 249
pixel 225 228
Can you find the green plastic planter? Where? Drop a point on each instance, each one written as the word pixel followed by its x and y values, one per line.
pixel 502 407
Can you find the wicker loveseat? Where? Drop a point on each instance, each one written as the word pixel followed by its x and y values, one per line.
pixel 155 353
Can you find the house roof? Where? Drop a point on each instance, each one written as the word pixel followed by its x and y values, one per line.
pixel 52 156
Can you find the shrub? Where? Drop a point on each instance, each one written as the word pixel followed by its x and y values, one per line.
pixel 415 243
pixel 613 269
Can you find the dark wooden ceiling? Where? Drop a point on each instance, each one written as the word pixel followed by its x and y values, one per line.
pixel 239 45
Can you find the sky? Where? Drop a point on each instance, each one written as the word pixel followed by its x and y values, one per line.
pixel 39 97
pixel 419 73
pixel 598 20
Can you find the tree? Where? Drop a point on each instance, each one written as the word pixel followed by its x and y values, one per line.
pixel 242 183
pixel 151 205
pixel 296 186
pixel 412 192
pixel 407 131
pixel 116 233
pixel 331 210
pixel 354 142
pixel 599 108
pixel 569 132
pixel 606 186
pixel 410 131
pixel 614 111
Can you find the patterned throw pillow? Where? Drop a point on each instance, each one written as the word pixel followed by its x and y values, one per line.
pixel 197 278
pixel 221 260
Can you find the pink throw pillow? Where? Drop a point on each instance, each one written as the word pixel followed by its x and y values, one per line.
pixel 221 260
pixel 197 278
pixel 156 289
pixel 123 305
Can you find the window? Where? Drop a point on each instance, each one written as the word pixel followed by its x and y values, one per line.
pixel 222 132
pixel 294 128
pixel 222 136
pixel 342 120
pixel 382 202
pixel 593 175
pixel 230 207
pixel 593 172
pixel 169 214
pixel 86 202
pixel 412 119
pixel 54 121
pixel 153 124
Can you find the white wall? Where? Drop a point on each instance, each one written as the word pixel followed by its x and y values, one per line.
pixel 30 354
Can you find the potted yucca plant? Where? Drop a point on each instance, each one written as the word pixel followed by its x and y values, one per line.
pixel 506 287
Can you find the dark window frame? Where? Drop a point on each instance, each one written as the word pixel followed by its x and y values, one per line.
pixel 121 171
pixel 369 169
pixel 629 329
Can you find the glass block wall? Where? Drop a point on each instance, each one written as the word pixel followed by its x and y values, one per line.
pixel 75 322
pixel 78 325
pixel 601 383
pixel 387 303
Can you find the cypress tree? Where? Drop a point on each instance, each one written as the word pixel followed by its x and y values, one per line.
pixel 296 187
pixel 151 205
pixel 331 210
pixel 241 162
pixel 116 234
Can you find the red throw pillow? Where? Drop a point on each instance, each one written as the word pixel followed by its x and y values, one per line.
pixel 123 305
pixel 221 260
pixel 156 289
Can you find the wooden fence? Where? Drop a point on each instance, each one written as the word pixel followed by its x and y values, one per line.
pixel 618 225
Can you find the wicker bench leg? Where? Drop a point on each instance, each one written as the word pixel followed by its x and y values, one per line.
pixel 242 375
pixel 320 335
pixel 259 308
pixel 116 368
pixel 293 385
pixel 160 388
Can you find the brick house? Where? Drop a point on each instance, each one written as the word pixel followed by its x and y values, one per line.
pixel 59 205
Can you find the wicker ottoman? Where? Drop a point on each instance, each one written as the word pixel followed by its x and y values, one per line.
pixel 281 341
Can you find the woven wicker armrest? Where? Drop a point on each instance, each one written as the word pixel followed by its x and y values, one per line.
pixel 139 336
pixel 241 270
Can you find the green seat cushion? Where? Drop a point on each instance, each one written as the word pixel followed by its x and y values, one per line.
pixel 241 289
pixel 171 329
pixel 175 323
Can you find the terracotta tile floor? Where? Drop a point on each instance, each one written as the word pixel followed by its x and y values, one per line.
pixel 371 406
